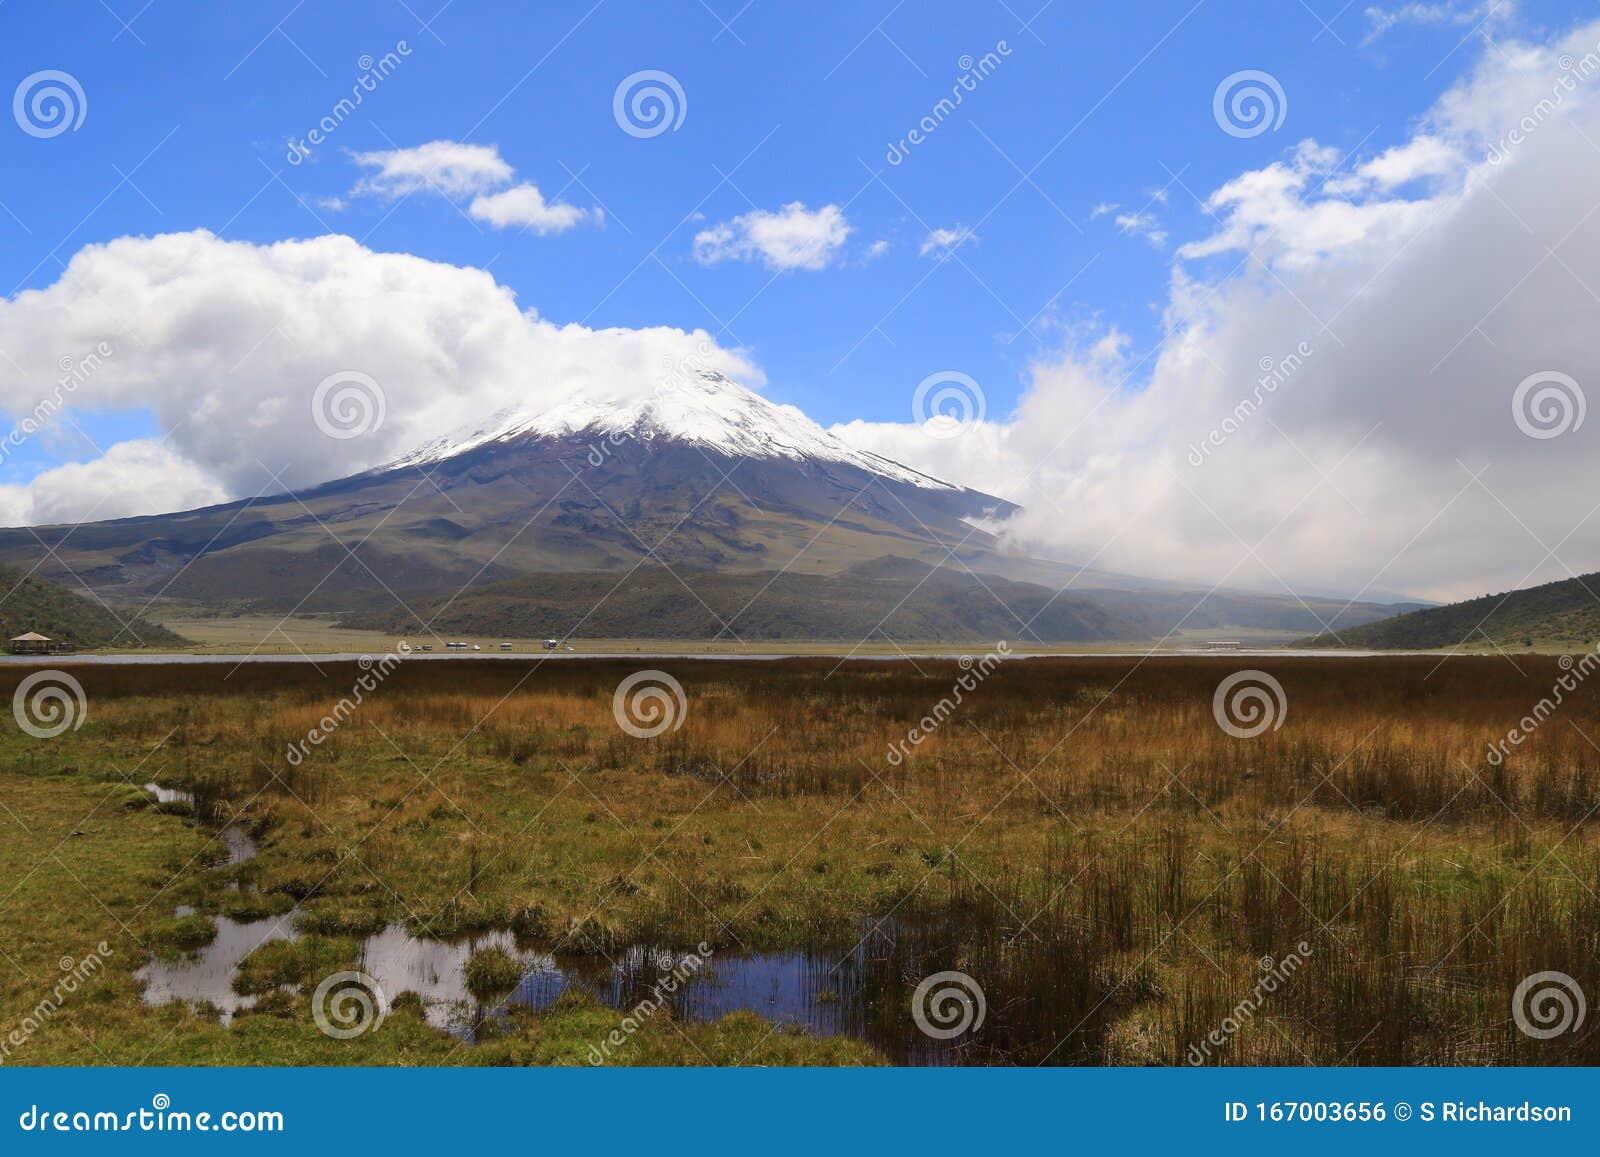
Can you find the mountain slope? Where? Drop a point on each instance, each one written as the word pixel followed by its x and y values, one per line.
pixel 1565 613
pixel 886 599
pixel 705 478
pixel 710 478
pixel 707 411
pixel 28 603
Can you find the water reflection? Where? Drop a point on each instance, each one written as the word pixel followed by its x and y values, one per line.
pixel 857 992
pixel 206 976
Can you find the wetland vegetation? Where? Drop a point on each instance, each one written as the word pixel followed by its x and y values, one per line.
pixel 1116 874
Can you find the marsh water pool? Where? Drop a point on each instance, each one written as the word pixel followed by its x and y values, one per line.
pixel 844 992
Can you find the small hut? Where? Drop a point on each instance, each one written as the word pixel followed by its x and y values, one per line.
pixel 34 643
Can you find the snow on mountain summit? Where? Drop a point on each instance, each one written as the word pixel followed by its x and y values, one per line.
pixel 706 410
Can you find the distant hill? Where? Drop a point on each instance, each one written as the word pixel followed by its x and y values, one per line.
pixel 1223 610
pixel 1565 613
pixel 29 603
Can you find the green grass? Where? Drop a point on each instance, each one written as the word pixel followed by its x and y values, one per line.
pixel 1092 847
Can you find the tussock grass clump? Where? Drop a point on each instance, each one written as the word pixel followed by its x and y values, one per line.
pixel 492 972
pixel 1121 876
pixel 184 933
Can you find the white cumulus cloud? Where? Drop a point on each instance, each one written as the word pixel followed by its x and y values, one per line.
pixel 792 237
pixel 453 169
pixel 524 205
pixel 1330 405
pixel 226 342
pixel 450 168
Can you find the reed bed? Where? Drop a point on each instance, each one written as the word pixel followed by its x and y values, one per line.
pixel 1127 882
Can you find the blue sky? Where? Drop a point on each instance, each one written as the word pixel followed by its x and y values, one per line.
pixel 792 102
pixel 190 110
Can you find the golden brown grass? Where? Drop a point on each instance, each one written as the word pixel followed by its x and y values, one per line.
pixel 1079 835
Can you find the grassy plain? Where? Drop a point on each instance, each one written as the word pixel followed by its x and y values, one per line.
pixel 1079 836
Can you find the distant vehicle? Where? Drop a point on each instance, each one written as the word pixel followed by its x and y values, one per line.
pixel 505 646
pixel 553 644
pixel 427 646
pixel 475 647
pixel 1221 645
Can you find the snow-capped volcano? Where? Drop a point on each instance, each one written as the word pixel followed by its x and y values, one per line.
pixel 706 410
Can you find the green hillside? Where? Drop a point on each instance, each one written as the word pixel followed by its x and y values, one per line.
pixel 29 603
pixel 884 598
pixel 1565 613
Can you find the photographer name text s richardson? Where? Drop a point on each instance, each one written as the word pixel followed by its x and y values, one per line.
pixel 1373 1112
